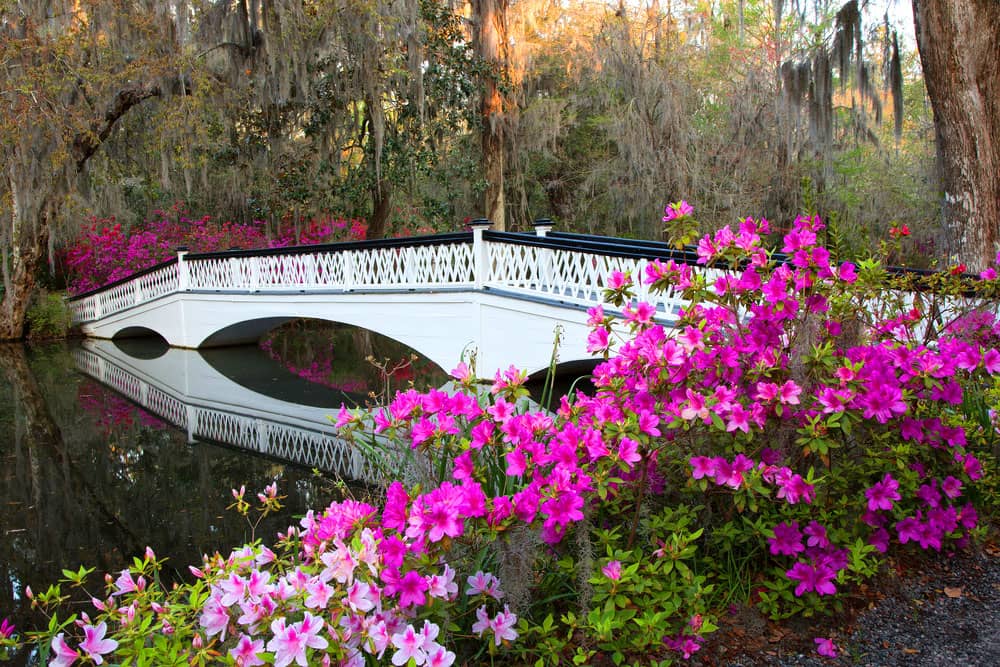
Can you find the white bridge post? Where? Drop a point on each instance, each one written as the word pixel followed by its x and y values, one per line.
pixel 546 257
pixel 183 279
pixel 480 254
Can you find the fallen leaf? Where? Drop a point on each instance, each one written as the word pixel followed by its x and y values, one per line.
pixel 911 651
pixel 885 644
pixel 953 592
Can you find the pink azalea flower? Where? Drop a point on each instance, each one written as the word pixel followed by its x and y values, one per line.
pixel 825 647
pixel 246 651
pixel 677 210
pixel 411 589
pixel 484 583
pixel 94 644
pixel 787 539
pixel 409 645
pixel 290 642
pixel 818 578
pixel 613 570
pixel 440 657
pixel 882 494
pixel 503 626
pixel 62 654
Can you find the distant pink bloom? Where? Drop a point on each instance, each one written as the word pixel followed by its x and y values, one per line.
pixel 628 451
pixel 503 626
pixel 440 657
pixel 597 340
pixel 818 578
pixel 848 273
pixel 702 466
pixel 677 210
pixel 6 629
pixel 787 539
pixel 618 280
pixel 461 372
pixel 484 583
pixel 411 589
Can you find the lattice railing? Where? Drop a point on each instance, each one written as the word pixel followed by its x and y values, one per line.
pixel 576 277
pixel 140 288
pixel 395 267
pixel 566 268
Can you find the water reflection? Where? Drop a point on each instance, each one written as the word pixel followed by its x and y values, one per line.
pixel 181 388
pixel 143 446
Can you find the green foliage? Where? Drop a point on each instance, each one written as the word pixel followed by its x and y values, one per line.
pixel 49 317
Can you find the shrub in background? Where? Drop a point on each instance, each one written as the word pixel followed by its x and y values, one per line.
pixel 48 317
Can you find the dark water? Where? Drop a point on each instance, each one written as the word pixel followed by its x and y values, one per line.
pixel 88 477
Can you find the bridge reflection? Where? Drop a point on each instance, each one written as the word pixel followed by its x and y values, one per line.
pixel 182 388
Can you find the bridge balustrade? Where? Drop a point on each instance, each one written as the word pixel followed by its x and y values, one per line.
pixel 568 269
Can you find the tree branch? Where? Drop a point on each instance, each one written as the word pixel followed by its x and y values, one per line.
pixel 86 144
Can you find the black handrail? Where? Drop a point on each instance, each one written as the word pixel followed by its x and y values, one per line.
pixel 401 242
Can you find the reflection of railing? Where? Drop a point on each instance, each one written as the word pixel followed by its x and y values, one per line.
pixel 244 427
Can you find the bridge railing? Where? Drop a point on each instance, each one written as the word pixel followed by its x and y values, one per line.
pixel 443 260
pixel 574 268
pixel 570 269
pixel 134 290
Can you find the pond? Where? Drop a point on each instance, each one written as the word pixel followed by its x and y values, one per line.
pixel 106 448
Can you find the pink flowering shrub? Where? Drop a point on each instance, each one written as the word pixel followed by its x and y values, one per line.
pixel 797 423
pixel 105 252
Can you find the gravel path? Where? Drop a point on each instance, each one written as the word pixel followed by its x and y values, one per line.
pixel 945 612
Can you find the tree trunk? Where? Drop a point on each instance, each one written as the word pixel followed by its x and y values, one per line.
pixel 958 43
pixel 29 244
pixel 490 19
pixel 381 200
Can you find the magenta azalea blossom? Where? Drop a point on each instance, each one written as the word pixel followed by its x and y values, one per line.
pixel 818 578
pixel 787 539
pixel 677 210
pixel 613 570
pixel 825 647
pixel 882 494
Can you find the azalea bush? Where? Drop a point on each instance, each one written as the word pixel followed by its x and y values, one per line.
pixel 105 252
pixel 801 420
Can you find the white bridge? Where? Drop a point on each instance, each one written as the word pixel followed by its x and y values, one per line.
pixel 499 296
pixel 184 390
pixel 502 297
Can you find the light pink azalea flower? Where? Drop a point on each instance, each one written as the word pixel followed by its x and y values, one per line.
pixel 94 644
pixel 62 654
